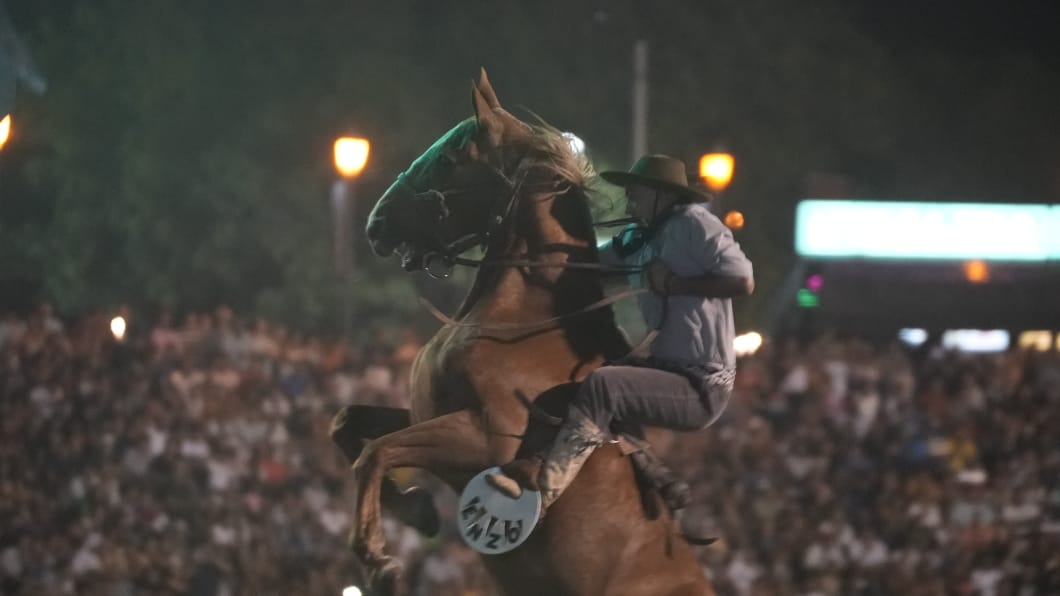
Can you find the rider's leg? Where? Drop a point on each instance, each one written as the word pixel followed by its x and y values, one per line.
pixel 640 395
pixel 645 396
pixel 577 439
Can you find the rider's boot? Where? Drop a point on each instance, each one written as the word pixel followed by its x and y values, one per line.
pixel 575 442
pixel 674 491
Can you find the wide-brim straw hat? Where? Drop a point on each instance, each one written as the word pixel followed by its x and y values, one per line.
pixel 659 171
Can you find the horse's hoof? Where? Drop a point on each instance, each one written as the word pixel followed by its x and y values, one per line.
pixel 344 434
pixel 415 507
pixel 385 580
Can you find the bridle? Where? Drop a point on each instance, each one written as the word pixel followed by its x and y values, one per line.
pixel 448 253
pixel 439 263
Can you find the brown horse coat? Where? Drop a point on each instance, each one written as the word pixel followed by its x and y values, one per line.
pixel 467 415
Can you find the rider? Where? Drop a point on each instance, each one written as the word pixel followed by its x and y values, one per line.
pixel 693 267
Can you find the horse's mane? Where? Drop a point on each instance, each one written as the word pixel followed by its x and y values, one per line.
pixel 549 167
pixel 552 165
pixel 550 149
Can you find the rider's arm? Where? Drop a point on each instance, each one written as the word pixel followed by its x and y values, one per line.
pixel 709 286
pixel 727 272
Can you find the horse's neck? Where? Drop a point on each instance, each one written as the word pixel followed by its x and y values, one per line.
pixel 553 230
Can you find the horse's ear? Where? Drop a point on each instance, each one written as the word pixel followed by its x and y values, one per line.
pixel 482 107
pixel 486 88
pixel 489 122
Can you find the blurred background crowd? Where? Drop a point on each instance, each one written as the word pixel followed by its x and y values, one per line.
pixel 192 457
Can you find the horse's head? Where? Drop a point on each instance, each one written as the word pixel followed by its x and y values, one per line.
pixel 454 195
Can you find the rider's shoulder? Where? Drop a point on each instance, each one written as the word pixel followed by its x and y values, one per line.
pixel 697 215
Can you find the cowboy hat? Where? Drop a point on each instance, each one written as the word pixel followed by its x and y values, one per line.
pixel 659 171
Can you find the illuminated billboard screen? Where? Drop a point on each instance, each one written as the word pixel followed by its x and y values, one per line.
pixel 921 230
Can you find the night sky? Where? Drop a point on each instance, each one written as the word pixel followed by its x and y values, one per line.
pixel 974 28
pixel 941 120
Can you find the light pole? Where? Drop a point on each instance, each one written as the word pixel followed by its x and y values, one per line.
pixel 640 99
pixel 351 155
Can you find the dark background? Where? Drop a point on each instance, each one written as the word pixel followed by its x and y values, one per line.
pixel 181 153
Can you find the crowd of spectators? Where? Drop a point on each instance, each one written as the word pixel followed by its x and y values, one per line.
pixel 193 458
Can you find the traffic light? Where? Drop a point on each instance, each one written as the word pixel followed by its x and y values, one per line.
pixel 807 296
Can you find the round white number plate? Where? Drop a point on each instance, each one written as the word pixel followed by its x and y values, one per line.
pixel 493 523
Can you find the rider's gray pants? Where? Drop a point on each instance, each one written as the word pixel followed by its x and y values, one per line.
pixel 648 396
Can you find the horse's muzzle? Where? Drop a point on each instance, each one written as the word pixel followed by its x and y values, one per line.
pixel 377 239
pixel 411 259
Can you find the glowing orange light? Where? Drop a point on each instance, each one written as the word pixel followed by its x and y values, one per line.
pixel 976 272
pixel 716 170
pixel 1040 341
pixel 734 220
pixel 351 155
pixel 5 129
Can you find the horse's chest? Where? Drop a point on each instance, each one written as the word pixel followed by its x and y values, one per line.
pixel 455 372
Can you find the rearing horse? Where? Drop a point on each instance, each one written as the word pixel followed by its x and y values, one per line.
pixel 519 190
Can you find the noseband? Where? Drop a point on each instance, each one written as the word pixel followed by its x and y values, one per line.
pixel 439 263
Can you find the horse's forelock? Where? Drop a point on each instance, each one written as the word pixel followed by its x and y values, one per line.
pixel 544 153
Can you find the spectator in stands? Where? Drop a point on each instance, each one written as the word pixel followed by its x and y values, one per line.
pixel 848 469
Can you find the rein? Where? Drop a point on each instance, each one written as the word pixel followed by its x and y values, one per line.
pixel 606 301
pixel 449 255
pixel 527 263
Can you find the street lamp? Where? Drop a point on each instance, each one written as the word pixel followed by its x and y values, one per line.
pixel 716 170
pixel 351 155
pixel 5 130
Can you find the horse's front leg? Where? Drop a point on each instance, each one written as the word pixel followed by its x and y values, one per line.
pixel 351 428
pixel 451 444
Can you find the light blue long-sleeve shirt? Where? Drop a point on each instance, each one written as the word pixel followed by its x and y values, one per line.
pixel 696 331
